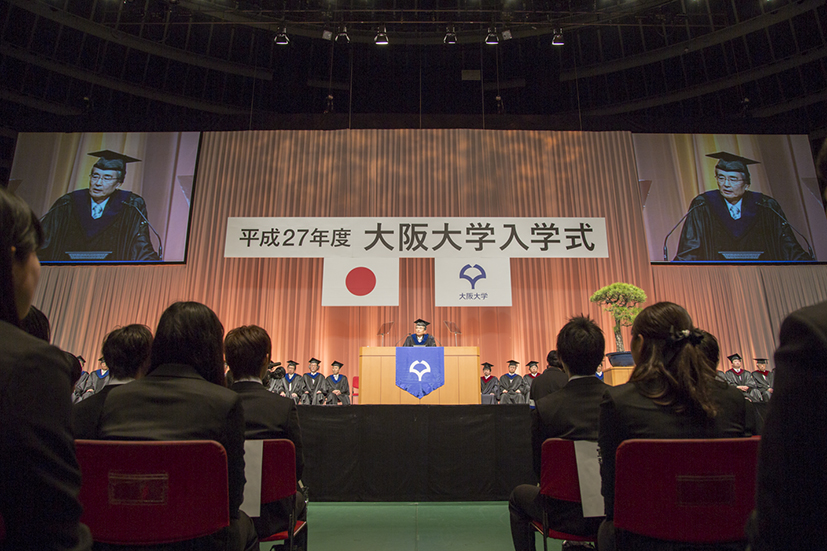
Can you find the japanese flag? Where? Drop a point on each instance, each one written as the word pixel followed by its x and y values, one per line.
pixel 360 282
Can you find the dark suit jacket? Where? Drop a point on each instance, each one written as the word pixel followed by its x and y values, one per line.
pixel 791 502
pixel 40 477
pixel 550 380
pixel 174 402
pixel 269 415
pixel 571 413
pixel 625 413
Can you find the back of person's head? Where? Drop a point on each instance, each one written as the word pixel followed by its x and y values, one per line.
pixel 126 351
pixel 670 366
pixel 19 229
pixel 190 333
pixel 580 346
pixel 77 368
pixel 710 349
pixel 553 360
pixel 36 324
pixel 247 349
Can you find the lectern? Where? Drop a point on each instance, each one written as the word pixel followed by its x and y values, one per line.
pixel 377 378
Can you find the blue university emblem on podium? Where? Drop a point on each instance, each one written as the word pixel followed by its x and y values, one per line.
pixel 420 370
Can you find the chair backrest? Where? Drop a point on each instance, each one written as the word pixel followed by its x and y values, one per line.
pixel 696 491
pixel 558 470
pixel 278 470
pixel 142 493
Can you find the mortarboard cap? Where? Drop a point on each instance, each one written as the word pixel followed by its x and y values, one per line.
pixel 81 359
pixel 291 362
pixel 102 360
pixel 314 361
pixel 732 163
pixel 761 360
pixel 487 365
pixel 273 364
pixel 532 362
pixel 340 364
pixel 733 357
pixel 515 362
pixel 112 160
pixel 422 322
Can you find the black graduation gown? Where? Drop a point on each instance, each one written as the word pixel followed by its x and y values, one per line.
pixel 290 386
pixel 490 389
pixel 311 396
pixel 709 229
pixel 512 383
pixel 744 378
pixel 69 226
pixel 339 384
pixel 427 339
pixel 763 382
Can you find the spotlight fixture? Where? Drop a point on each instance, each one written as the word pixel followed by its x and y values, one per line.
pixel 557 39
pixel 506 34
pixel 281 37
pixel 492 39
pixel 450 36
pixel 381 37
pixel 342 37
pixel 327 34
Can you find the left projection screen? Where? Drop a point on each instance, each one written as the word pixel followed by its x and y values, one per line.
pixel 109 197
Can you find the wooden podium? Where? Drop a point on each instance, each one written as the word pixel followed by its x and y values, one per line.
pixel 377 378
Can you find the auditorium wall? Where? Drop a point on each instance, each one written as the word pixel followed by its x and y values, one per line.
pixel 418 173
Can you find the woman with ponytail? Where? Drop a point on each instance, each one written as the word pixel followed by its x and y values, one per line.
pixel 672 393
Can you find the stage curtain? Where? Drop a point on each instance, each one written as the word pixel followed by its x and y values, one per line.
pixel 374 173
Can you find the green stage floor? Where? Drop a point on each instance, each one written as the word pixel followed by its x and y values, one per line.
pixel 481 526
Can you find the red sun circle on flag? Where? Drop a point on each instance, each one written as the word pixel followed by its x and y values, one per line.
pixel 360 281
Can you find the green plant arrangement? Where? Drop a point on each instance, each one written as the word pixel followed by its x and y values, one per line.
pixel 621 301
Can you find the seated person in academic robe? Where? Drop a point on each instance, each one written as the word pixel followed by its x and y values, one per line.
pixel 489 386
pixel 183 397
pixel 529 379
pixel 271 374
pixel 93 383
pixel 419 336
pixel 126 352
pixel 337 391
pixel 39 477
pixel 266 415
pixel 764 379
pixel 102 218
pixel 599 372
pixel 293 384
pixel 550 380
pixel 313 393
pixel 511 386
pixel 571 413
pixel 733 219
pixel 741 378
pixel 672 393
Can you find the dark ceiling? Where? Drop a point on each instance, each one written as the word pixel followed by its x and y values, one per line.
pixel 642 65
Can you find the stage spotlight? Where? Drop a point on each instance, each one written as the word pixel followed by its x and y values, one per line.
pixel 450 36
pixel 492 39
pixel 281 37
pixel 557 40
pixel 342 37
pixel 506 34
pixel 381 37
pixel 327 34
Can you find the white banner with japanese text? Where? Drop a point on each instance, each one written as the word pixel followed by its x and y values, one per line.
pixel 486 237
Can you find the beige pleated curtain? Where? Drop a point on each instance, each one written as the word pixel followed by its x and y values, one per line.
pixel 451 173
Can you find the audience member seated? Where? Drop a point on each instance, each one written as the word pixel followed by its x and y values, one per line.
pixel 741 379
pixel 336 389
pixel 313 393
pixel 511 386
pixel 764 379
pixel 571 413
pixel 550 380
pixel 267 415
pixel 126 351
pixel 94 382
pixel 489 386
pixel 791 503
pixel 672 393
pixel 36 324
pixel 40 478
pixel 293 384
pixel 182 397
